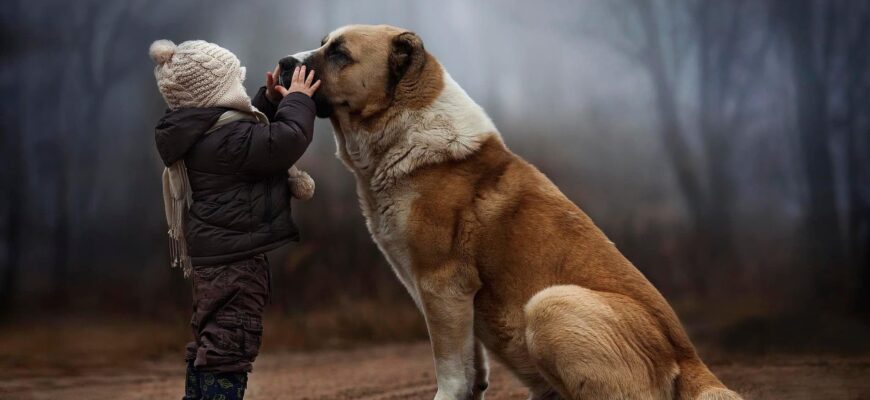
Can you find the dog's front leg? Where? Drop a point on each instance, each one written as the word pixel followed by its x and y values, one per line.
pixel 481 371
pixel 448 305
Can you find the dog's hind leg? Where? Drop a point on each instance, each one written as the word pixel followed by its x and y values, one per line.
pixel 593 345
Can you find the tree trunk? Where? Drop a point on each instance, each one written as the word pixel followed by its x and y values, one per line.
pixel 676 147
pixel 857 118
pixel 858 149
pixel 11 149
pixel 715 59
pixel 61 235
pixel 811 95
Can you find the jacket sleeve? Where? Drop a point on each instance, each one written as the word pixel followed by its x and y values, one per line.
pixel 265 105
pixel 275 147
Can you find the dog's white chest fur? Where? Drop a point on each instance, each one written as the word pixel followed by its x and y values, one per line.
pixel 387 221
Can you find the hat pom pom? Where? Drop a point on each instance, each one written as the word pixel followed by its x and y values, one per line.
pixel 301 184
pixel 161 51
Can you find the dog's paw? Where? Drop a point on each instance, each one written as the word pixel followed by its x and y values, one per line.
pixel 301 184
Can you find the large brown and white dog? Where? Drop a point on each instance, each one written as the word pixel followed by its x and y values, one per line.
pixel 493 254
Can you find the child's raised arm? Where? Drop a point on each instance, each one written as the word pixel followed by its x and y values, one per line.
pixel 276 147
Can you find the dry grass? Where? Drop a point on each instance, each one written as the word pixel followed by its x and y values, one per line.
pixel 70 345
pixel 351 323
pixel 405 371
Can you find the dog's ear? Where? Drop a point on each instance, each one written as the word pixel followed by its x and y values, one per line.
pixel 406 60
pixel 406 56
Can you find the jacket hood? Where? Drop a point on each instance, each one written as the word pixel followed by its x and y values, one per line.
pixel 181 128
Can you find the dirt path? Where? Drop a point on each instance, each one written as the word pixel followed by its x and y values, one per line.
pixel 406 372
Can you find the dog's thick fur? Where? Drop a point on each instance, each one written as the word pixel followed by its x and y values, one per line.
pixel 493 254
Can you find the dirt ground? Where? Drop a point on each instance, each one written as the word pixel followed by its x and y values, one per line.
pixel 405 372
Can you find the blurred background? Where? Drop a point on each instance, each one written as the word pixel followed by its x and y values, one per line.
pixel 724 146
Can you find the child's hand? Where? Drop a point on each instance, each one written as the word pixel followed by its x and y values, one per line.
pixel 299 83
pixel 271 81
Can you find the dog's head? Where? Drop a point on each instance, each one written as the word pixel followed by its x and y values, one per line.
pixel 361 68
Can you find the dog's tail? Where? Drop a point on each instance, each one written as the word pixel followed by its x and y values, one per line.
pixel 696 382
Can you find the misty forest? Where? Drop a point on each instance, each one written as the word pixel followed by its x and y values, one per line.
pixel 723 146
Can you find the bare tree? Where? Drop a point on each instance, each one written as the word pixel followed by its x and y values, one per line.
pixel 729 62
pixel 808 29
pixel 725 44
pixel 717 40
pixel 846 62
pixel 95 65
pixel 13 169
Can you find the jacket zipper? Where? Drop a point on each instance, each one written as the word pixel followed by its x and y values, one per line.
pixel 268 207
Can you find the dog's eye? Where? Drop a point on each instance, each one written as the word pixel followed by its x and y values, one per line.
pixel 339 57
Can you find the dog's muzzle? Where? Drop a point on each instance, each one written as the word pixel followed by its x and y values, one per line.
pixel 289 63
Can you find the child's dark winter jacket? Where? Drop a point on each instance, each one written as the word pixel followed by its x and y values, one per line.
pixel 238 175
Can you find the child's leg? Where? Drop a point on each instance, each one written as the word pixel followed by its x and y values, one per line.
pixel 227 323
pixel 192 389
pixel 223 385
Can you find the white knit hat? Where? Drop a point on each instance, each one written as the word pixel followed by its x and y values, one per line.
pixel 197 73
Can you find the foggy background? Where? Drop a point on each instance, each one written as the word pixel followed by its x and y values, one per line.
pixel 724 146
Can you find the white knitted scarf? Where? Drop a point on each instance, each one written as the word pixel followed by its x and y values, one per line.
pixel 178 196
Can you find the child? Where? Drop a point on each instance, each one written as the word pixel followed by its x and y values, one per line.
pixel 227 198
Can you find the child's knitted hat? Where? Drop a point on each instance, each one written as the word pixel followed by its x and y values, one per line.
pixel 197 73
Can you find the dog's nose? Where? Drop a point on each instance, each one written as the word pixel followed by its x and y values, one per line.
pixel 287 65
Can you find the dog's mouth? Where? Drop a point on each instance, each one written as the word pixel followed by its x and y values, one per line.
pixel 324 106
